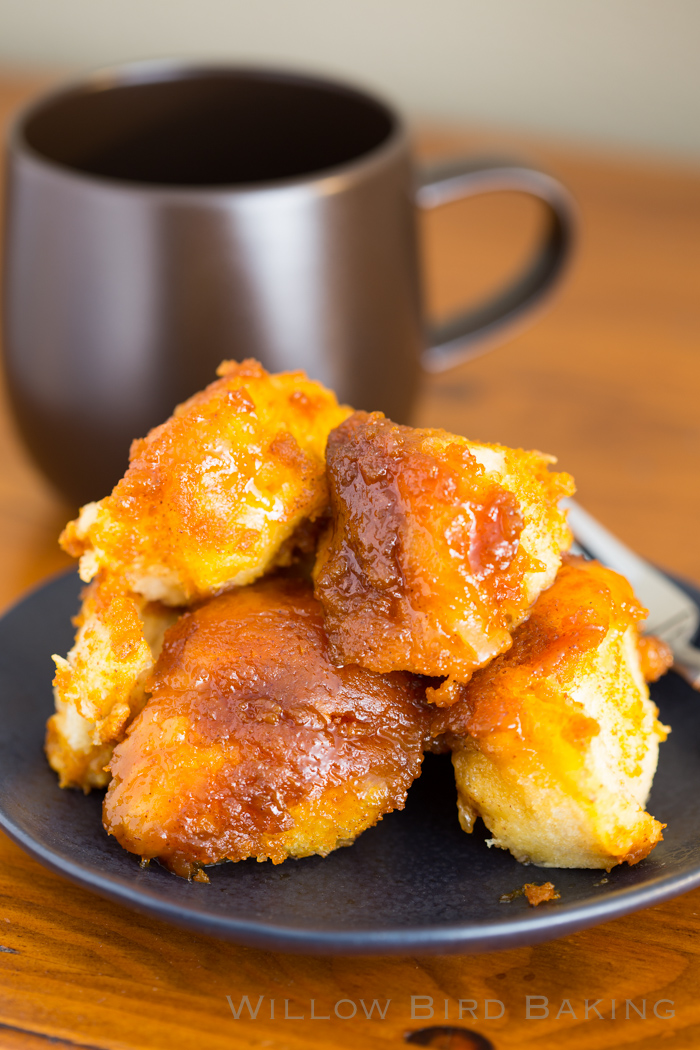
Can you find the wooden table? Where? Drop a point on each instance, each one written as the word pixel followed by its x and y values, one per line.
pixel 609 379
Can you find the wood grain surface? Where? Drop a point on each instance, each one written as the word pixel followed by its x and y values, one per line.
pixel 609 380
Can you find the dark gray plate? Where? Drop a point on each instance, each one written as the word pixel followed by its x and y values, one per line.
pixel 414 883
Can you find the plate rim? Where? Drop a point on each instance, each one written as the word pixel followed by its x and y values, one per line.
pixel 435 939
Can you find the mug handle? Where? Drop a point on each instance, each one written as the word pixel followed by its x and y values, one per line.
pixel 470 333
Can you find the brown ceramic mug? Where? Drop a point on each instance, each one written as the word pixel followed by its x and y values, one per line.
pixel 161 217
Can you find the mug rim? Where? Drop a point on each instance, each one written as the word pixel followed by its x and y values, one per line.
pixel 162 70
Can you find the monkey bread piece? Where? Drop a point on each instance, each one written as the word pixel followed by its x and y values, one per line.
pixel 101 685
pixel 437 549
pixel 555 743
pixel 212 497
pixel 253 744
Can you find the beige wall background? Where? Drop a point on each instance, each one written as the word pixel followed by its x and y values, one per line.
pixel 612 72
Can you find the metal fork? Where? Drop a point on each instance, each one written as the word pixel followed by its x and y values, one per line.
pixel 673 615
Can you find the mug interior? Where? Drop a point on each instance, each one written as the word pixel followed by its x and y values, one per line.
pixel 208 127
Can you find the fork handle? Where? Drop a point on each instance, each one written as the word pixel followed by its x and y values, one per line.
pixel 686 661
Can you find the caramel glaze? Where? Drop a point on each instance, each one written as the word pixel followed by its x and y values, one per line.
pixel 562 722
pixel 212 496
pixel 569 620
pixel 254 744
pixel 423 542
pixel 655 657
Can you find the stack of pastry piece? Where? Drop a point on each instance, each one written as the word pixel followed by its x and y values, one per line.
pixel 289 602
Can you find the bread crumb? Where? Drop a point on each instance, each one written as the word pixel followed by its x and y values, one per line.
pixel 539 894
pixel 535 894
